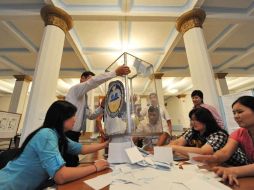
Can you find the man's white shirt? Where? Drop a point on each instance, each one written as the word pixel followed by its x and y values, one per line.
pixel 76 96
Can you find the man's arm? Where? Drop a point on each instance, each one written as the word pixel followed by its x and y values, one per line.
pixel 100 128
pixel 84 87
pixel 169 126
pixel 95 81
pixel 162 139
pixel 93 115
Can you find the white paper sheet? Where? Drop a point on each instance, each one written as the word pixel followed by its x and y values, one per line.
pixel 191 155
pixel 117 152
pixel 190 167
pixel 198 183
pixel 131 176
pixel 163 154
pixel 125 187
pixel 134 155
pixel 100 181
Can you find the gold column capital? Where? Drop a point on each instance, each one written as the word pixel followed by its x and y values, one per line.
pixel 157 75
pixel 23 78
pixel 181 96
pixel 220 75
pixel 190 19
pixel 143 96
pixel 60 97
pixel 52 15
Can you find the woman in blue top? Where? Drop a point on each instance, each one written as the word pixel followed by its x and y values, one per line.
pixel 40 156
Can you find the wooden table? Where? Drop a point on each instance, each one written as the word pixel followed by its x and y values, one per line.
pixel 246 183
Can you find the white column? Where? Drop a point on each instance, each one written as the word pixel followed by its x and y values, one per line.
pixel 19 97
pixel 222 83
pixel 158 82
pixel 43 91
pixel 190 25
pixel 19 94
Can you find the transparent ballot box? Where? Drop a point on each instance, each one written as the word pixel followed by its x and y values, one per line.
pixel 128 106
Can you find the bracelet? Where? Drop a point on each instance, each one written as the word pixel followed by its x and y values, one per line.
pixel 96 168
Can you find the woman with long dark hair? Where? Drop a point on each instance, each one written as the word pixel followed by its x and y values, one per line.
pixel 243 110
pixel 205 137
pixel 197 99
pixel 40 156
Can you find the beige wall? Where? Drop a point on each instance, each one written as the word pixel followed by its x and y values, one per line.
pixel 178 109
pixel 4 106
pixel 5 102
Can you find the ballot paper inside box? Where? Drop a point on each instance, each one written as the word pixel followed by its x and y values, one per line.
pixel 127 98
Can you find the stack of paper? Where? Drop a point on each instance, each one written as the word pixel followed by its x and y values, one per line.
pixel 197 183
pixel 132 176
pixel 129 176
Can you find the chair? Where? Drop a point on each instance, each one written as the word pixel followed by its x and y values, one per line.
pixel 7 155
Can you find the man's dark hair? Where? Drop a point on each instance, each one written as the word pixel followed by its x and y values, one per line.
pixel 87 74
pixel 153 109
pixel 197 93
pixel 152 94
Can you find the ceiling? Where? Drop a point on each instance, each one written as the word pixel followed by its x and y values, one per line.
pixel 104 29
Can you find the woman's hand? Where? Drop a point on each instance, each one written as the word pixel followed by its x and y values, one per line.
pixel 227 174
pixel 172 146
pixel 105 144
pixel 101 165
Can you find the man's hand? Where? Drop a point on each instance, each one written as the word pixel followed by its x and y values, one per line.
pixel 122 70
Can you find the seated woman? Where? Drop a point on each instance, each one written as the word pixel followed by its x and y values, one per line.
pixel 243 110
pixel 205 137
pixel 40 156
pixel 197 99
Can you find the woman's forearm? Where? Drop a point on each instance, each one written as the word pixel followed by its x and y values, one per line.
pixel 185 150
pixel 66 174
pixel 86 149
pixel 227 151
pixel 222 155
pixel 244 171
